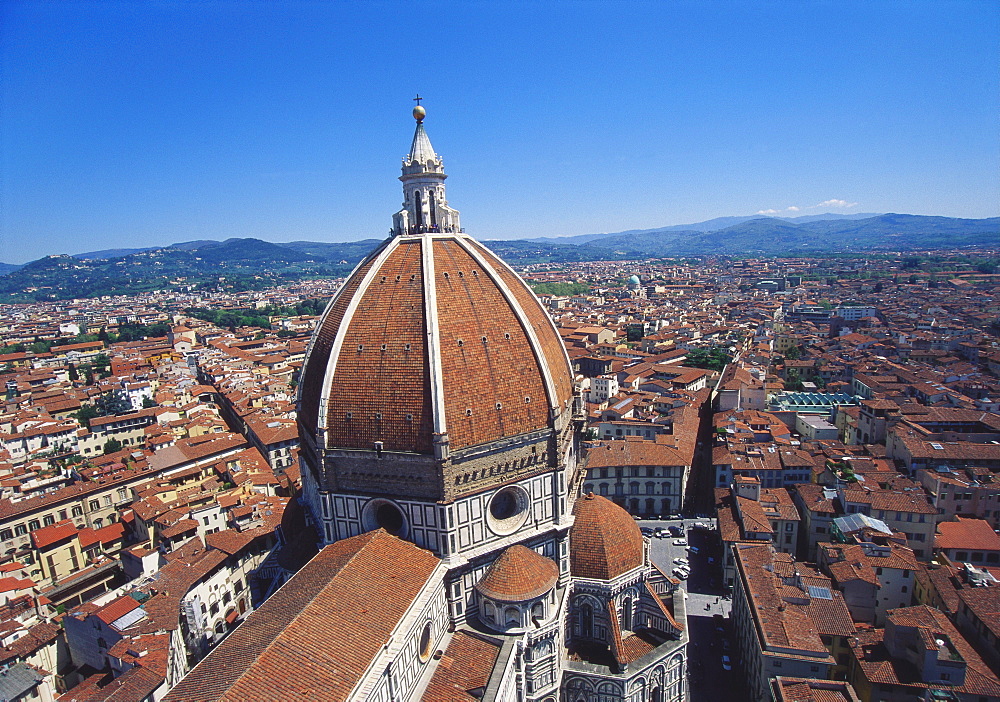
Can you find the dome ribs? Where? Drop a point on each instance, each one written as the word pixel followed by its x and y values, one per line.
pixel 433 307
pixel 548 338
pixel 380 388
pixel 480 375
pixel 311 386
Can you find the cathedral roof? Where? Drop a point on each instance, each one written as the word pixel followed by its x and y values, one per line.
pixel 432 341
pixel 604 541
pixel 432 335
pixel 519 574
pixel 317 635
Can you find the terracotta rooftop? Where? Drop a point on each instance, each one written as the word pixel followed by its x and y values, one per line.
pixel 498 351
pixel 317 635
pixel 604 540
pixel 970 534
pixel 48 535
pixel 518 574
pixel 464 669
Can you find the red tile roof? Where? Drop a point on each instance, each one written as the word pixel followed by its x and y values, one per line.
pixel 116 609
pixel 494 383
pixel 604 540
pixel 518 574
pixel 971 534
pixel 464 667
pixel 316 636
pixel 52 534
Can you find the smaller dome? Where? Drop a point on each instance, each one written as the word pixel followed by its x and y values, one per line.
pixel 604 541
pixel 634 281
pixel 519 574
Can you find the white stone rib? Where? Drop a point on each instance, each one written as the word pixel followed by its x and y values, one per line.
pixel 322 320
pixel 522 317
pixel 338 341
pixel 433 336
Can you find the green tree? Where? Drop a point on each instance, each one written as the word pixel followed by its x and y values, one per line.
pixel 710 359
pixel 793 382
pixel 112 446
pixel 85 414
pixel 148 402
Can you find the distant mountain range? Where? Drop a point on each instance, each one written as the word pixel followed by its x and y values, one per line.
pixel 709 225
pixel 253 264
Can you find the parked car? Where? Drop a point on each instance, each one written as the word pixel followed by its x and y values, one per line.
pixel 692 549
pixel 676 530
pixel 680 542
pixel 681 574
pixel 727 663
pixel 646 531
pixel 726 646
pixel 681 561
pixel 711 560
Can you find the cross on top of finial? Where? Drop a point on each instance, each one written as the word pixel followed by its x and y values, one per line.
pixel 418 111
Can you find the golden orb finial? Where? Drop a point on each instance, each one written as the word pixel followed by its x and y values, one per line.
pixel 419 113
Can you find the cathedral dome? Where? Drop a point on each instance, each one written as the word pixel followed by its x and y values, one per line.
pixel 604 541
pixel 433 341
pixel 432 337
pixel 519 574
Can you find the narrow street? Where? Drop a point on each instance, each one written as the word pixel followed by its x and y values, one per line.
pixel 707 609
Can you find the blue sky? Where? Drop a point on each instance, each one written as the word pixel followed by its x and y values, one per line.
pixel 147 123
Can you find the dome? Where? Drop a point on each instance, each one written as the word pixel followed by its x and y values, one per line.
pixel 433 339
pixel 634 281
pixel 519 574
pixel 604 541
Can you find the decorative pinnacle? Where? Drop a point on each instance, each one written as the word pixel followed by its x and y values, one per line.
pixel 419 112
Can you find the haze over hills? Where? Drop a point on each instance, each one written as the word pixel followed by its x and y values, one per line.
pixel 251 263
pixel 709 225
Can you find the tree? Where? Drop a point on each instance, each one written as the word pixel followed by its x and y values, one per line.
pixel 793 382
pixel 112 446
pixel 714 359
pixel 85 414
pixel 148 402
pixel 72 372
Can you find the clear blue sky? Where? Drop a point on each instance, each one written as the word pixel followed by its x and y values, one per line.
pixel 127 124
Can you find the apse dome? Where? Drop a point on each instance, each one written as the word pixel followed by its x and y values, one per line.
pixel 604 541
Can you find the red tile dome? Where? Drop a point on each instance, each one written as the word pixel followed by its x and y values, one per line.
pixel 519 574
pixel 432 339
pixel 604 541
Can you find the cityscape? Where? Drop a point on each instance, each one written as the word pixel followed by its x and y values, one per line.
pixel 679 390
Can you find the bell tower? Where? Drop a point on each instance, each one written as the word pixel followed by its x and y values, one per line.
pixel 425 208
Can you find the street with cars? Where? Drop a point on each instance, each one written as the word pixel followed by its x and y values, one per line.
pixel 689 550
